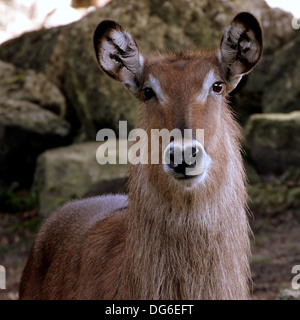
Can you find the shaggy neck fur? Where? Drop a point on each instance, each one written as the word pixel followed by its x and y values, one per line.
pixel 189 243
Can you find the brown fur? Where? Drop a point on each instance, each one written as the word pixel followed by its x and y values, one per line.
pixel 171 242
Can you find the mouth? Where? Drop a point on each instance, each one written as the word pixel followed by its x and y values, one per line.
pixel 188 181
pixel 187 177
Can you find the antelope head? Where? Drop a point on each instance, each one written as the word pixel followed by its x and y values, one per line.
pixel 184 91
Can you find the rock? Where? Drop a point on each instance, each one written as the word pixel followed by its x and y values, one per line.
pixel 289 294
pixel 252 176
pixel 274 202
pixel 283 79
pixel 268 200
pixel 26 130
pixel 291 174
pixel 27 127
pixel 65 54
pixel 274 85
pixel 69 173
pixel 28 85
pixel 274 142
pixel 293 198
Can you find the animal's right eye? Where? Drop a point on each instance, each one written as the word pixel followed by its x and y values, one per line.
pixel 148 93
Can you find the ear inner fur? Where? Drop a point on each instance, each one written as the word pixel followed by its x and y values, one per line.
pixel 118 55
pixel 241 47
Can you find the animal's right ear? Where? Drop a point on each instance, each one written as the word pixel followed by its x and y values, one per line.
pixel 118 54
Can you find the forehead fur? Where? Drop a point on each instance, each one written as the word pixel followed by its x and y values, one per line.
pixel 184 68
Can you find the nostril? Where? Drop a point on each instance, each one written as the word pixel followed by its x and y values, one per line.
pixel 184 158
pixel 172 154
pixel 172 163
pixel 190 162
pixel 171 157
pixel 194 151
pixel 190 156
pixel 185 162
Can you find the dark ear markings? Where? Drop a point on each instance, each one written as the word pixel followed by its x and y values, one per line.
pixel 117 59
pixel 250 22
pixel 108 26
pixel 241 47
pixel 102 29
pixel 118 55
pixel 120 62
pixel 119 50
pixel 110 74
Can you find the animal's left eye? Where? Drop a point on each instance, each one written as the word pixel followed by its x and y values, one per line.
pixel 218 87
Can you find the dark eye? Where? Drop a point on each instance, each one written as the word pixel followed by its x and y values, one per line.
pixel 218 87
pixel 148 93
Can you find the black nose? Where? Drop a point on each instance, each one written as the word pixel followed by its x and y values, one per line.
pixel 185 163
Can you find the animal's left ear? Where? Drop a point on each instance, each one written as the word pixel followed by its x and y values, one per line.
pixel 241 48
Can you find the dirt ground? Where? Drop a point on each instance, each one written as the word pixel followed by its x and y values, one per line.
pixel 275 250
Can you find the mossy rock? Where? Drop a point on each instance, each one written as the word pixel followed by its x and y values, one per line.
pixel 26 130
pixel 274 85
pixel 283 79
pixel 266 199
pixel 289 294
pixel 28 85
pixel 274 142
pixel 16 201
pixel 66 55
pixel 252 175
pixel 69 173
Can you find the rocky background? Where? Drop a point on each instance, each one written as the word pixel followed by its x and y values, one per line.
pixel 54 99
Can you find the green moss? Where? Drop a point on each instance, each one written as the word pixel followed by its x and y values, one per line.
pixel 262 260
pixel 259 239
pixel 297 213
pixel 297 194
pixel 4 248
pixel 13 202
pixel 264 198
pixel 293 197
pixel 269 140
pixel 17 79
pixel 32 225
pixel 73 196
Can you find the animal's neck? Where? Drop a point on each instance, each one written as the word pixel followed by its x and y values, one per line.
pixel 189 244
